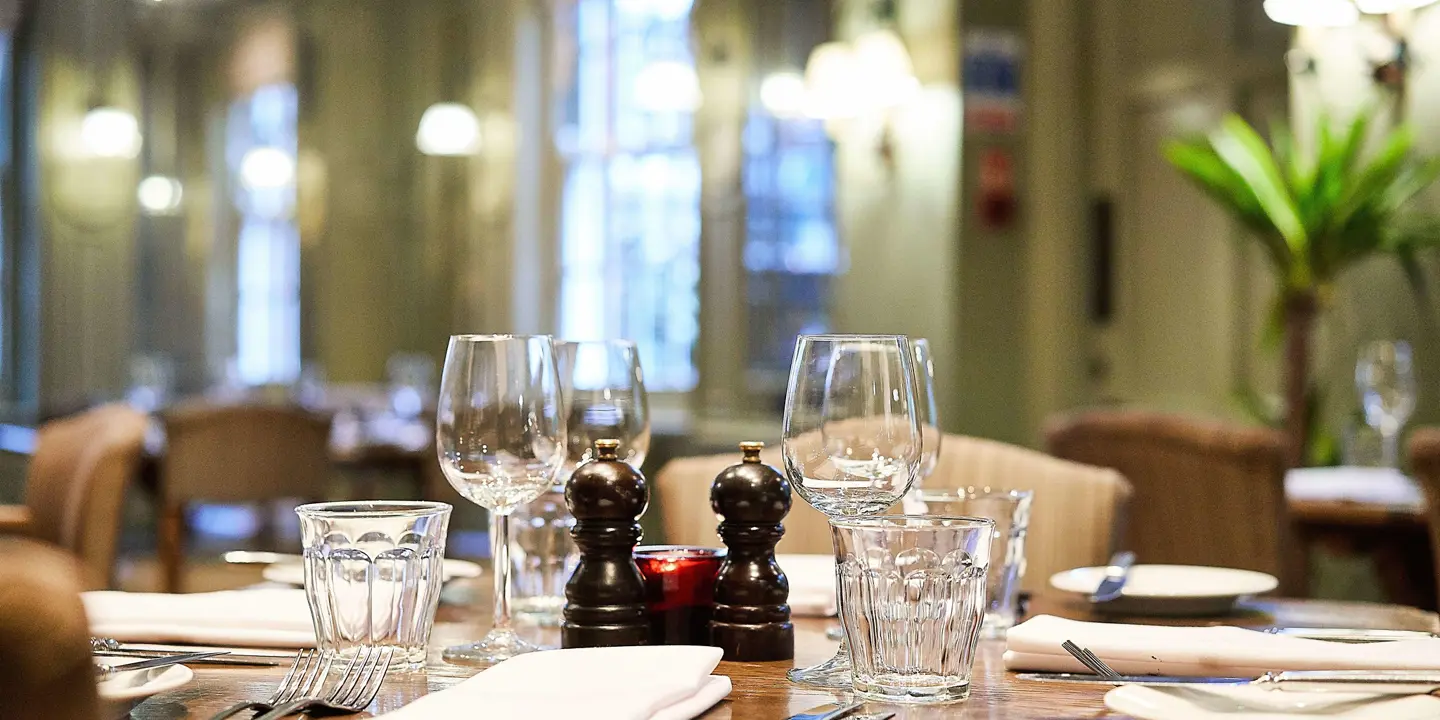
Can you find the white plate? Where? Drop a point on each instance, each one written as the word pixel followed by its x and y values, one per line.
pixel 1176 590
pixel 1147 703
pixel 293 573
pixel 121 693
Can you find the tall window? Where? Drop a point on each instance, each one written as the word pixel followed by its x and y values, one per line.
pixel 792 251
pixel 260 150
pixel 630 214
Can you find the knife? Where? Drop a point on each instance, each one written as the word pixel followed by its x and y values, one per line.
pixel 1384 682
pixel 824 712
pixel 1115 575
pixel 231 656
pixel 104 672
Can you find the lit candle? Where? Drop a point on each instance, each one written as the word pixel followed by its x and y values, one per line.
pixel 679 591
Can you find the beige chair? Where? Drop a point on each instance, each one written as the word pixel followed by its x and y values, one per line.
pixel 235 453
pixel 45 665
pixel 1206 493
pixel 75 492
pixel 1424 453
pixel 1074 520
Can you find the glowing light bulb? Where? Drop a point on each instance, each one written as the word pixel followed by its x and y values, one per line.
pixel 448 129
pixel 267 167
pixel 110 132
pixel 783 94
pixel 667 86
pixel 160 195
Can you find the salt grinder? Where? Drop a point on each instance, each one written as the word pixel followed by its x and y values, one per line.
pixel 605 597
pixel 751 615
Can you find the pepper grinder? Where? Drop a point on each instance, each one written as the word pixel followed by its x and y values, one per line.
pixel 605 597
pixel 750 620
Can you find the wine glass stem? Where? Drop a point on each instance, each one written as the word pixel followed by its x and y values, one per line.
pixel 1389 450
pixel 500 556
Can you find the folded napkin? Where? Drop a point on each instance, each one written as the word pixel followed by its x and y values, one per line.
pixel 812 584
pixel 1229 651
pixel 665 682
pixel 1386 486
pixel 245 618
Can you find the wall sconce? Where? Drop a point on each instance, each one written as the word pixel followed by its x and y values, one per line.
pixel 448 130
pixel 110 132
pixel 160 195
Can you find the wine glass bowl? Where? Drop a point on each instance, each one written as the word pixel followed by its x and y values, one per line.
pixel 851 442
pixel 1385 378
pixel 500 439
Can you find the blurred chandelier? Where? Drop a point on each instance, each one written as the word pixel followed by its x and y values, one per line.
pixel 1334 13
pixel 845 80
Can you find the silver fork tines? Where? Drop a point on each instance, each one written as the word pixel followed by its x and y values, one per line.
pixel 305 676
pixel 1090 660
pixel 353 692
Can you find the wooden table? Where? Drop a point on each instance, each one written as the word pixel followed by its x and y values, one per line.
pixel 761 691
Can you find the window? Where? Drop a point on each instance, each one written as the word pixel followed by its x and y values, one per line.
pixel 260 151
pixel 792 251
pixel 630 212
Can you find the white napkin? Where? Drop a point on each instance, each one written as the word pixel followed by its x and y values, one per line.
pixel 1203 651
pixel 665 682
pixel 244 618
pixel 812 584
pixel 1386 486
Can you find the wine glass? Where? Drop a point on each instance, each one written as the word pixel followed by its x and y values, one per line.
pixel 604 396
pixel 851 438
pixel 1385 377
pixel 500 435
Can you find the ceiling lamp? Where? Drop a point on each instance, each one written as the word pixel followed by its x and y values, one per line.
pixel 448 130
pixel 1383 7
pixel 667 86
pixel 830 93
pixel 783 93
pixel 267 168
pixel 160 195
pixel 110 132
pixel 1312 13
pixel 883 69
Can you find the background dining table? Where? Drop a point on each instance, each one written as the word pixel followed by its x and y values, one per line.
pixel 761 691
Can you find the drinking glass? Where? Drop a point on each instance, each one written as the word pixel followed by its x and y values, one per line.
pixel 1010 511
pixel 912 600
pixel 851 438
pixel 1385 377
pixel 373 571
pixel 925 406
pixel 604 396
pixel 500 436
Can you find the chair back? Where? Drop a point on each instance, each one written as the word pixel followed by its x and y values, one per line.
pixel 44 638
pixel 75 491
pixel 1424 451
pixel 1206 493
pixel 1074 519
pixel 240 453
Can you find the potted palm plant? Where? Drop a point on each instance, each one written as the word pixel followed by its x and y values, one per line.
pixel 1315 212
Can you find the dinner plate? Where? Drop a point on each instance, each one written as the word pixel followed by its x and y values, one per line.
pixel 121 693
pixel 293 573
pixel 1173 590
pixel 1149 703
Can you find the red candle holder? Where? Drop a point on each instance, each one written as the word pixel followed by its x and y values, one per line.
pixel 679 591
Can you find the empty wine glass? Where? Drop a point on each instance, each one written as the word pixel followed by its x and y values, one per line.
pixel 925 406
pixel 851 438
pixel 604 396
pixel 500 436
pixel 1385 377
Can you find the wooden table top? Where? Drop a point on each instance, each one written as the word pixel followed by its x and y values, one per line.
pixel 761 691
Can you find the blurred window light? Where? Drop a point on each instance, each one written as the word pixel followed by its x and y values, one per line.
pixel 110 132
pixel 630 205
pixel 1313 13
pixel 783 93
pixel 448 130
pixel 160 195
pixel 829 94
pixel 1382 7
pixel 267 167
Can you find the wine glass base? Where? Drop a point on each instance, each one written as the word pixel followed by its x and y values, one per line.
pixel 498 646
pixel 833 673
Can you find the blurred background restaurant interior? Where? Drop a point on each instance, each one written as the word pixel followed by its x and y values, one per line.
pixel 297 201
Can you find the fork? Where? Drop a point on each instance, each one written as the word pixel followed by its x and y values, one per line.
pixel 353 692
pixel 1208 699
pixel 305 677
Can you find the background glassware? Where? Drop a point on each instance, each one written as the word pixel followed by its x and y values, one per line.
pixel 500 436
pixel 912 601
pixel 373 572
pixel 410 376
pixel 152 382
pixel 927 409
pixel 1385 377
pixel 604 396
pixel 1010 511
pixel 851 438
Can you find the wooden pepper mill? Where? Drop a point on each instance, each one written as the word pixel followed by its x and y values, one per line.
pixel 751 617
pixel 605 597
